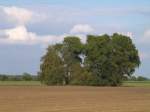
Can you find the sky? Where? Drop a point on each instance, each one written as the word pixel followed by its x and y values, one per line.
pixel 27 27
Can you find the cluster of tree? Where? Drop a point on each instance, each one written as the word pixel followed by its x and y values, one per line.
pixel 138 78
pixel 23 77
pixel 101 61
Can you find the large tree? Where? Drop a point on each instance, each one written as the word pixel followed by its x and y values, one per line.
pixel 70 50
pixel 110 58
pixel 62 62
pixel 103 60
pixel 52 68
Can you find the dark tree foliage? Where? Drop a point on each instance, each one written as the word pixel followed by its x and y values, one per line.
pixel 22 77
pixel 103 61
pixel 110 58
pixel 71 49
pixel 52 69
pixel 26 77
pixel 139 78
pixel 4 77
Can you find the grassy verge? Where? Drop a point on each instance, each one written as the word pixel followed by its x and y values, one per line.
pixel 37 83
pixel 20 83
pixel 137 83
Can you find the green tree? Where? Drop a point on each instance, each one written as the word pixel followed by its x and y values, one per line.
pixel 97 57
pixel 126 54
pixel 104 60
pixel 80 76
pixel 110 58
pixel 141 78
pixel 70 51
pixel 52 68
pixel 4 78
pixel 26 77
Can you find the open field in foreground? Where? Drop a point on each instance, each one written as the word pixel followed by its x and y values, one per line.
pixel 74 99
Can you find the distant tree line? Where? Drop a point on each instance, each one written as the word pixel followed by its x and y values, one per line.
pixel 102 61
pixel 136 78
pixel 23 77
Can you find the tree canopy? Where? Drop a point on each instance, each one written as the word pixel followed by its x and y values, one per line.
pixel 102 61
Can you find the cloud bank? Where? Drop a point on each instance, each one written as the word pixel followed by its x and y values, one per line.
pixel 20 34
pixel 18 15
pixel 82 28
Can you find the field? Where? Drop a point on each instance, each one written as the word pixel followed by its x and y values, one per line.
pixel 137 83
pixel 20 83
pixel 37 83
pixel 74 99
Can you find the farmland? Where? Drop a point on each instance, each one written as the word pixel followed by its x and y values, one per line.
pixel 137 83
pixel 20 83
pixel 37 83
pixel 37 98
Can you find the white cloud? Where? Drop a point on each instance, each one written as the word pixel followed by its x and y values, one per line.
pixel 82 28
pixel 129 34
pixel 20 35
pixel 19 15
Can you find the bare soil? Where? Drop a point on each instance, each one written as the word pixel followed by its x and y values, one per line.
pixel 74 99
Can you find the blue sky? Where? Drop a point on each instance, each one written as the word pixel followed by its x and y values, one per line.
pixel 27 27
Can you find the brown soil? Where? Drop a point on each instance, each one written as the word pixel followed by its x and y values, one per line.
pixel 74 99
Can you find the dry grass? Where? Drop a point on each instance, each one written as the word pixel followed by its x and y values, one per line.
pixel 74 99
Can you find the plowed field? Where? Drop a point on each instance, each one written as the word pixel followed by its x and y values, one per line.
pixel 74 99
